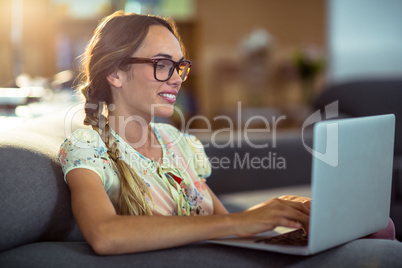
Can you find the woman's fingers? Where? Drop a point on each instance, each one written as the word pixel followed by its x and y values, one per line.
pixel 304 200
pixel 288 223
pixel 302 206
pixel 277 206
pixel 277 209
pixel 287 211
pixel 295 211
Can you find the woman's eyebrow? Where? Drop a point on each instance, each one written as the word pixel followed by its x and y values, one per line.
pixel 163 55
pixel 167 56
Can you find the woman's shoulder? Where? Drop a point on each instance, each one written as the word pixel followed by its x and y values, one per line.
pixel 85 132
pixel 84 138
pixel 84 148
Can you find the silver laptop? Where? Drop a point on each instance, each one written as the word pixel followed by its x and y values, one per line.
pixel 350 188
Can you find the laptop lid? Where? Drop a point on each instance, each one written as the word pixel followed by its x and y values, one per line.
pixel 351 186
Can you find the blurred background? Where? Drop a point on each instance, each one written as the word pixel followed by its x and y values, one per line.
pixel 273 56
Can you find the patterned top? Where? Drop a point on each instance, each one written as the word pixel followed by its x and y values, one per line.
pixel 177 185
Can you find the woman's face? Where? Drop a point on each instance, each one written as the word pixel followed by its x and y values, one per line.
pixel 140 93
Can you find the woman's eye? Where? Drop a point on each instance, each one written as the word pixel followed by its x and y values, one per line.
pixel 161 66
pixel 164 65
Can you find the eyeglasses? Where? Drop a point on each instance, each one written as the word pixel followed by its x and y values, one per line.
pixel 164 68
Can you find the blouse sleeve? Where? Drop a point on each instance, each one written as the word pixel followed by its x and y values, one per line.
pixel 85 149
pixel 201 161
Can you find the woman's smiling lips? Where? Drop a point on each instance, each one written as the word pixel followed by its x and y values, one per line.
pixel 169 96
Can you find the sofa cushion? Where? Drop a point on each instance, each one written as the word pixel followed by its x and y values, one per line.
pixel 359 253
pixel 35 199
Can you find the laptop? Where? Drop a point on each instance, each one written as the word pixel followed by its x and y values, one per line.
pixel 350 186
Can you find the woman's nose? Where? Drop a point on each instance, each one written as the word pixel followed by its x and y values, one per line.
pixel 175 78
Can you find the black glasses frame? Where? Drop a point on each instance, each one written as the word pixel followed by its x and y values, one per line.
pixel 176 65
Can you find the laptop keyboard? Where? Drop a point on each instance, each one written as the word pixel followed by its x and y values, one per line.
pixel 294 238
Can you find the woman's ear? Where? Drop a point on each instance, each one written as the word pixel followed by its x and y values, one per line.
pixel 115 79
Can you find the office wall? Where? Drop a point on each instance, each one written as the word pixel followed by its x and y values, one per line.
pixel 26 46
pixel 6 62
pixel 291 22
pixel 365 39
pixel 222 25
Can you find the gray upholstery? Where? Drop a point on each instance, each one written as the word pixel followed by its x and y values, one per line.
pixel 367 97
pixel 35 199
pixel 38 230
pixel 359 253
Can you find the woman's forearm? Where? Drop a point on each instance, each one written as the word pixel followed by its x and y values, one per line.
pixel 127 234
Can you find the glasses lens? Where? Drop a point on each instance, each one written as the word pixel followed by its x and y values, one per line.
pixel 163 69
pixel 184 69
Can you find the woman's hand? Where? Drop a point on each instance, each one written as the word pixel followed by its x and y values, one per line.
pixel 306 201
pixel 287 211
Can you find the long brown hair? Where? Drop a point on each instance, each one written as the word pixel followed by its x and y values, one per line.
pixel 115 39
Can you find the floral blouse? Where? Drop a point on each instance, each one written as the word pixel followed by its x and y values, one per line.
pixel 177 185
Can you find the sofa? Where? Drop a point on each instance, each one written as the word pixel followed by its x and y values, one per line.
pixel 38 229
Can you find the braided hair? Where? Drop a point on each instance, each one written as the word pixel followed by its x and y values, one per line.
pixel 115 39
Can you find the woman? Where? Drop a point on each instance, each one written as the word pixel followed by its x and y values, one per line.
pixel 127 175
